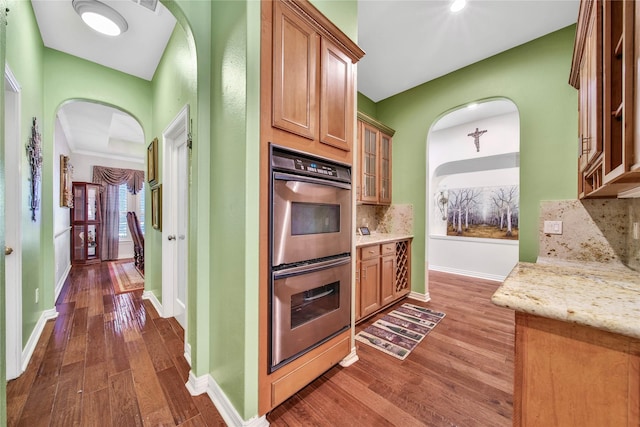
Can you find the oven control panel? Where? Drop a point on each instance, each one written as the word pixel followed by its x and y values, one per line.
pixel 315 167
pixel 306 165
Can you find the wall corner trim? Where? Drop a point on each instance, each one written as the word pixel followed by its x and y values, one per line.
pixel 154 301
pixel 420 297
pixel 35 336
pixel 206 383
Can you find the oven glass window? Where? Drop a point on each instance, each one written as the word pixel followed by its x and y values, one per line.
pixel 311 304
pixel 314 218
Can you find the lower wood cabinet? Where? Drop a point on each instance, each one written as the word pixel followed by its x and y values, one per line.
pixel 382 276
pixel 573 375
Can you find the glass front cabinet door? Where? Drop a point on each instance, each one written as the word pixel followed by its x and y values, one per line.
pixel 85 223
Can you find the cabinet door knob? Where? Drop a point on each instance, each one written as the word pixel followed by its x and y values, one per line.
pixel 8 250
pixel 171 237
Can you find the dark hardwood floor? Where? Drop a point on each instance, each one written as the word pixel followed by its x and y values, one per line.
pixel 110 360
pixel 107 360
pixel 461 374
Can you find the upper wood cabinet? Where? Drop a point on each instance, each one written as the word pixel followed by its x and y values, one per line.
pixel 604 71
pixel 374 161
pixel 313 84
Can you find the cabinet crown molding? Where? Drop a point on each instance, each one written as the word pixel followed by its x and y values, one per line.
pixel 375 123
pixel 326 28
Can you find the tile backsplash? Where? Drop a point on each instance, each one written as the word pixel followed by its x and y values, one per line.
pixel 386 219
pixel 594 230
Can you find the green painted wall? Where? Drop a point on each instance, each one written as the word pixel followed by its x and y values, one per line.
pixel 343 13
pixel 231 320
pixel 367 106
pixel 3 326
pixel 534 76
pixel 174 85
pixel 195 19
pixel 24 54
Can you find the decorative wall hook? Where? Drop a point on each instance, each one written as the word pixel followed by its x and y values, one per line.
pixel 441 201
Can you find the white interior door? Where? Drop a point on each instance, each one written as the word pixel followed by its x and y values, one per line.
pixel 175 218
pixel 13 150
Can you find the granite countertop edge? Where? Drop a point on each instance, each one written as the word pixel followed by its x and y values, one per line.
pixel 604 296
pixel 375 238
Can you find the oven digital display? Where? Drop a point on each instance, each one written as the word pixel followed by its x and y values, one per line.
pixel 314 218
pixel 309 305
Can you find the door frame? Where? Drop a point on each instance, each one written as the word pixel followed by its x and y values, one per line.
pixel 171 138
pixel 13 213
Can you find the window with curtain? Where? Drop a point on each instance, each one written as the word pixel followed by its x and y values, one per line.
pixel 141 209
pixel 129 202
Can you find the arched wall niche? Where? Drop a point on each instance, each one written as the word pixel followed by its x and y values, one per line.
pixel 473 189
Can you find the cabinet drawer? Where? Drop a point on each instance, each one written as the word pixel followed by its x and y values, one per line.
pixel 370 252
pixel 388 248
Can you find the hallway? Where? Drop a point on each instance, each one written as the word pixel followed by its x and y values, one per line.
pixel 107 360
pixel 110 360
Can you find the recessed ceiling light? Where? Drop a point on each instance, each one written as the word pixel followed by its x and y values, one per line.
pixel 100 17
pixel 457 5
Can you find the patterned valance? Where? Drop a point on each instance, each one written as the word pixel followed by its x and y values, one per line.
pixel 116 176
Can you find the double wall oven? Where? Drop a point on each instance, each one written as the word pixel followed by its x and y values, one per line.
pixel 310 236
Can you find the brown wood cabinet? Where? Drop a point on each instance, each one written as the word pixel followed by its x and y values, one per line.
pixel 374 161
pixel 85 223
pixel 382 276
pixel 307 103
pixel 573 375
pixel 604 70
pixel 313 84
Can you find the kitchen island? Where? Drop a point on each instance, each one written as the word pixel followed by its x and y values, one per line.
pixel 577 359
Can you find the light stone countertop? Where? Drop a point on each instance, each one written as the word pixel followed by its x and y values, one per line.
pixel 605 296
pixel 376 238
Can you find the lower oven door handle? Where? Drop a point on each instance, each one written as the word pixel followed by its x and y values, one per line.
pixel 305 269
pixel 315 297
pixel 290 177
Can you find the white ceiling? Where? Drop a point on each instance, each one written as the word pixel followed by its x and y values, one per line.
pixel 411 42
pixel 137 51
pixel 407 43
pixel 100 130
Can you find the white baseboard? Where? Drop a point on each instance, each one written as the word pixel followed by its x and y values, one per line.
pixel 206 383
pixel 476 274
pixel 154 301
pixel 60 283
pixel 350 358
pixel 419 297
pixel 35 336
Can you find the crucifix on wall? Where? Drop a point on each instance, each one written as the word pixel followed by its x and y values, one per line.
pixel 476 137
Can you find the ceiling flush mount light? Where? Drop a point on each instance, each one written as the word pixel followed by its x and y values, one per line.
pixel 100 17
pixel 457 5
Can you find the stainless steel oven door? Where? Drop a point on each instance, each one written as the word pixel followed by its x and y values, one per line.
pixel 311 218
pixel 310 304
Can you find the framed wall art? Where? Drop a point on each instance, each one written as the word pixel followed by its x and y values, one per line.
pixel 156 207
pixel 152 162
pixel 66 175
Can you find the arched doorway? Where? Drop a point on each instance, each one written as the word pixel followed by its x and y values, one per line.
pixel 473 190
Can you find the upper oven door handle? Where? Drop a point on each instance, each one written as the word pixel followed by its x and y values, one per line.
pixel 311 268
pixel 290 177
